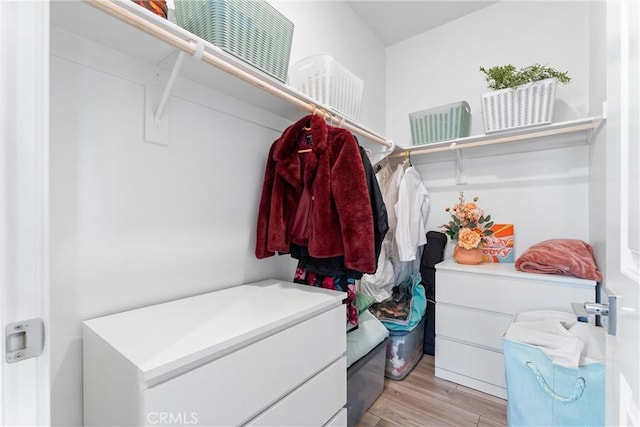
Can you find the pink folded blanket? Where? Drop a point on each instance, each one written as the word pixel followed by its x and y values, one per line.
pixel 568 257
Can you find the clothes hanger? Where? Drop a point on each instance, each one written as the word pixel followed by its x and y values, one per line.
pixel 407 159
pixel 313 113
pixel 307 129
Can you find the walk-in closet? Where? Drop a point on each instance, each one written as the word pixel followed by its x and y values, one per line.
pixel 138 211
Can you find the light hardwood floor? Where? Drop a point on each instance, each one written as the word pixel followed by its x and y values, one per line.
pixel 421 400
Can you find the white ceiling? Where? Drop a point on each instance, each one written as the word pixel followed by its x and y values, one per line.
pixel 394 21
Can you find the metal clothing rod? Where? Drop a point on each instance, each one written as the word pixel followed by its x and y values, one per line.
pixel 189 47
pixel 511 138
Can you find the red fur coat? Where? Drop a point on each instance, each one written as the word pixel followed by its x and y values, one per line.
pixel 340 221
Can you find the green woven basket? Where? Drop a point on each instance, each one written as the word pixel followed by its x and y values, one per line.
pixel 252 30
pixel 440 123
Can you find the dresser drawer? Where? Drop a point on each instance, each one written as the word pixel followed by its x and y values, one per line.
pixel 238 386
pixel 339 420
pixel 475 363
pixel 313 403
pixel 509 294
pixel 471 325
pixel 476 304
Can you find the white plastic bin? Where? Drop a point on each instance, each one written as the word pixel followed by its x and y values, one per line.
pixel 325 80
pixel 404 351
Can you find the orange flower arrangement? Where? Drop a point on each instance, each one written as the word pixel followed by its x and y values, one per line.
pixel 468 225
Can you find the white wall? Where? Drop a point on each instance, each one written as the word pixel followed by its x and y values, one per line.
pixel 545 194
pixel 331 27
pixel 441 66
pixel 134 223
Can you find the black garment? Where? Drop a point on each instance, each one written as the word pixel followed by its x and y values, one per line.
pixel 332 266
pixel 432 254
pixel 379 210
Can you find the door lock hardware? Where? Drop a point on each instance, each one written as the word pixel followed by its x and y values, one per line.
pixel 610 310
pixel 24 340
pixel 597 308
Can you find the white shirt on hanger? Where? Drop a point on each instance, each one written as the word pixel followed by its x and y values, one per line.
pixel 411 209
pixel 390 197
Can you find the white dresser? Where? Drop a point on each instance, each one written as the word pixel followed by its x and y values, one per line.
pixel 267 353
pixel 476 304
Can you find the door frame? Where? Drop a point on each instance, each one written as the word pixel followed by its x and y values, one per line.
pixel 621 264
pixel 24 203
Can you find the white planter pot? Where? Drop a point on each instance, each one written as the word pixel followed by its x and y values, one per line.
pixel 526 105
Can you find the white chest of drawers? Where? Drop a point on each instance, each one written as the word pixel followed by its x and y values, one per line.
pixel 268 353
pixel 476 304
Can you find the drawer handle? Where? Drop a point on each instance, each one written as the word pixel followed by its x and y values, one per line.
pixel 577 393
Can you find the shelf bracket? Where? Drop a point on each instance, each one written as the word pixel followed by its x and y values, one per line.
pixel 156 122
pixel 461 176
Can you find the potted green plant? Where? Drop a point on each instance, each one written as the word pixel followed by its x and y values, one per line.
pixel 508 76
pixel 520 96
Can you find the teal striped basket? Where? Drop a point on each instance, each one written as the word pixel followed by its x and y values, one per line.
pixel 253 31
pixel 440 123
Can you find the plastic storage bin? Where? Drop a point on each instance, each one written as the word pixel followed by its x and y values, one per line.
pixel 440 123
pixel 365 382
pixel 527 105
pixel 325 80
pixel 251 30
pixel 404 351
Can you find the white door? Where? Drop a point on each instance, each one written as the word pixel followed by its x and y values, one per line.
pixel 622 188
pixel 24 159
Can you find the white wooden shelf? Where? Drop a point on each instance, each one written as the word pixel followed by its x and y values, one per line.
pixel 129 29
pixel 555 135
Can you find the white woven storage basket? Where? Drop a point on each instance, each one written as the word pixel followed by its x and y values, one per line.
pixel 324 79
pixel 527 105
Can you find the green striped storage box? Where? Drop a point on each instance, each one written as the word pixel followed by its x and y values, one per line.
pixel 440 123
pixel 251 30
